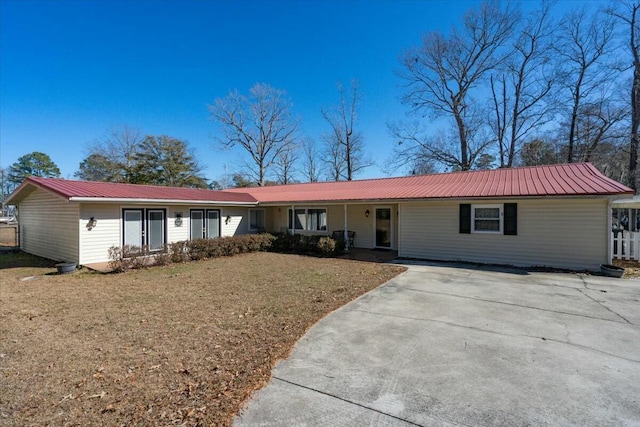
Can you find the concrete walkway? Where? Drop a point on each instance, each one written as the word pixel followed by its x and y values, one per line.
pixel 452 346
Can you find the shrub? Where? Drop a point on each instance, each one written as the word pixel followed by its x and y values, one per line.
pixel 178 252
pixel 161 258
pixel 326 246
pixel 307 245
pixel 127 257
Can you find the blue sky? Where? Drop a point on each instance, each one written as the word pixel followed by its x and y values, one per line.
pixel 70 70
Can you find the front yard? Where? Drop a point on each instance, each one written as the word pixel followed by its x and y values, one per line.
pixel 183 344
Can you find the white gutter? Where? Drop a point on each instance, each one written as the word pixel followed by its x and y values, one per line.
pixel 156 201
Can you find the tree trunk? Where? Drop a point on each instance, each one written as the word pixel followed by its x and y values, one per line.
pixel 464 152
pixel 635 104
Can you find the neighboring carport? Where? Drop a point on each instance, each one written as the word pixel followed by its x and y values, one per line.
pixel 454 345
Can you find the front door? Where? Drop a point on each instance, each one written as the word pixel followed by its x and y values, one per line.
pixel 383 228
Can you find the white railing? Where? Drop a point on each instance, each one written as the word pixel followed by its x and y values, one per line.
pixel 626 245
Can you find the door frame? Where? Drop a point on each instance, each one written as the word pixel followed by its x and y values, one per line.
pixel 205 222
pixel 391 225
pixel 144 225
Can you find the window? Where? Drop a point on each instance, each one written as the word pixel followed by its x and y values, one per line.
pixel 486 218
pixel 317 219
pixel 256 220
pixel 308 219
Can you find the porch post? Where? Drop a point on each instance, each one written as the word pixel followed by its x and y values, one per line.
pixel 346 232
pixel 293 219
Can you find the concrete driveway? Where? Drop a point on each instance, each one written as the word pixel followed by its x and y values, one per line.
pixel 463 346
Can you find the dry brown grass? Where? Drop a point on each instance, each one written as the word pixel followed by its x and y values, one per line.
pixel 184 344
pixel 631 267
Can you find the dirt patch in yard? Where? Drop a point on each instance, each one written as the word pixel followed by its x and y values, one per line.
pixel 177 345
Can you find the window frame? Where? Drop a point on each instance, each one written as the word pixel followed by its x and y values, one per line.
pixel 291 219
pixel 264 219
pixel 500 218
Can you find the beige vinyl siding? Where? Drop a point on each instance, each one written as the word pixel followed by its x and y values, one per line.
pixel 238 222
pixel 177 233
pixel 565 233
pixel 95 243
pixel 49 226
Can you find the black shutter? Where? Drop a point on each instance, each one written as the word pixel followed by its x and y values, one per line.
pixel 511 219
pixel 465 219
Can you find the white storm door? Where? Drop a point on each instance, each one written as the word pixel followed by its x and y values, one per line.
pixel 133 228
pixel 155 229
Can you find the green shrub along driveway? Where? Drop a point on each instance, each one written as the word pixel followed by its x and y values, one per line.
pixel 448 345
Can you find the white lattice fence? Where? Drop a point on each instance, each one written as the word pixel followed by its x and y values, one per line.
pixel 626 245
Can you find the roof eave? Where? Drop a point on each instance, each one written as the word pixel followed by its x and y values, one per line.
pixel 158 201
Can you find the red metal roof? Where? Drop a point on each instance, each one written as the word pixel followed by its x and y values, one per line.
pixel 109 190
pixel 576 179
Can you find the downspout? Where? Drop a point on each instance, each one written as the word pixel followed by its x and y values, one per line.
pixel 346 232
pixel 609 231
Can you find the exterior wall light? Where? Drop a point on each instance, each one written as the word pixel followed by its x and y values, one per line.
pixel 228 220
pixel 92 223
pixel 178 220
pixel 366 213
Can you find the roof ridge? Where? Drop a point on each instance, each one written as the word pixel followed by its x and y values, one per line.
pixel 465 172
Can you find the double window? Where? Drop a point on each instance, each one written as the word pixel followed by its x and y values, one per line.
pixel 308 219
pixel 144 227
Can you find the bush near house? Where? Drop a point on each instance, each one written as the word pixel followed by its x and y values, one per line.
pixel 302 244
pixel 131 257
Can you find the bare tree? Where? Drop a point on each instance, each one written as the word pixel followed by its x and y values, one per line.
pixel 538 152
pixel 441 74
pixel 261 123
pixel 601 120
pixel 519 89
pixel 629 16
pixel 112 158
pixel 583 49
pixel 284 164
pixel 345 146
pixel 421 152
pixel 311 162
